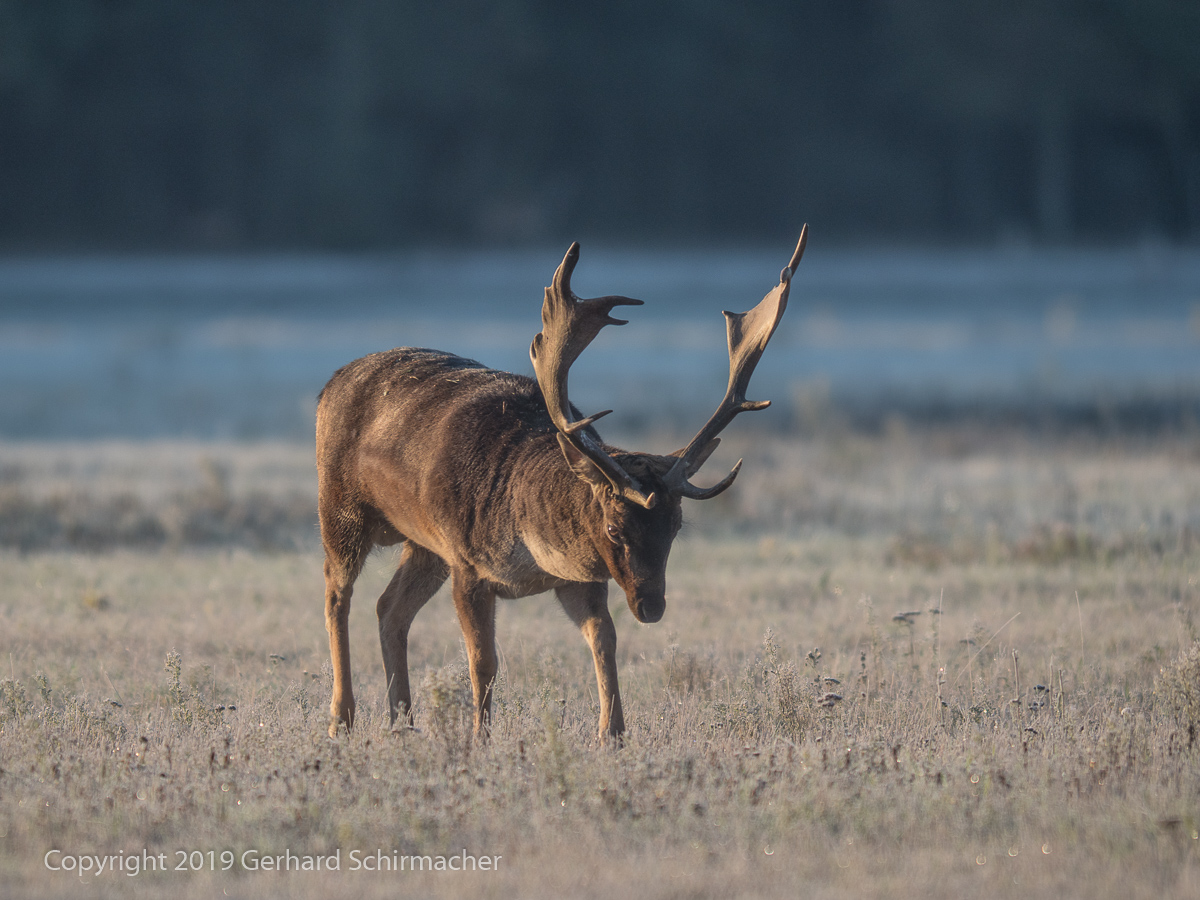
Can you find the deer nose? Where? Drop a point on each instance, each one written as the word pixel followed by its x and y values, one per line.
pixel 649 610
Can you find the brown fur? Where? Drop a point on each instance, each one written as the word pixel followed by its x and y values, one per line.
pixel 479 490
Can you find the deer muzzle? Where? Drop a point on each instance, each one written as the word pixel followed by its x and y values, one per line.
pixel 648 608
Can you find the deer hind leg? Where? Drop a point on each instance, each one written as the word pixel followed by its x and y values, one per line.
pixel 346 547
pixel 587 605
pixel 417 579
pixel 475 602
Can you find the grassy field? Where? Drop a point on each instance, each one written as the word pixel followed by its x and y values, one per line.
pixel 920 664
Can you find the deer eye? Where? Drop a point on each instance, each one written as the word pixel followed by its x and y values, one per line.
pixel 614 533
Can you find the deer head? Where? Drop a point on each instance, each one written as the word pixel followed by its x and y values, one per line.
pixel 639 495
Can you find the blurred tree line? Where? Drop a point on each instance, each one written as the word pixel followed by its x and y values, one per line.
pixel 228 124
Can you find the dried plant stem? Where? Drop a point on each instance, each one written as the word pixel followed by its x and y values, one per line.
pixel 1079 609
pixel 984 647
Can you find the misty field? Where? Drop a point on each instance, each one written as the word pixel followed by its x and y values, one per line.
pixel 924 663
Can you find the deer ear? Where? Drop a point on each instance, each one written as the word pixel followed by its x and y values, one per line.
pixel 584 468
pixel 700 458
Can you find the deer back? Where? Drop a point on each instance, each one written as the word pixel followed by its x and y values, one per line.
pixel 461 459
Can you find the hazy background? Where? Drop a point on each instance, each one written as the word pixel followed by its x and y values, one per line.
pixel 206 208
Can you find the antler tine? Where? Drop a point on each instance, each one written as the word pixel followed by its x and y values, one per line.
pixel 748 334
pixel 569 324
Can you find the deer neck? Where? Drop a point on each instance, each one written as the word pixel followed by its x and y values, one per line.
pixel 559 524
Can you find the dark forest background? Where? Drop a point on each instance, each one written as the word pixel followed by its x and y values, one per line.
pixel 305 124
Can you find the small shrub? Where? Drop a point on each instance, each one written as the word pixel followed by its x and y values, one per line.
pixel 12 699
pixel 451 709
pixel 1178 688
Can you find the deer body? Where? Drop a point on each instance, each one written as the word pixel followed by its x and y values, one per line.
pixel 494 481
pixel 479 480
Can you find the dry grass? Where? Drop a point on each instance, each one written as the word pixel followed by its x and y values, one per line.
pixel 1035 737
pixel 97 496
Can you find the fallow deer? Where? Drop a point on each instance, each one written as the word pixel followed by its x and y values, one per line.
pixel 495 481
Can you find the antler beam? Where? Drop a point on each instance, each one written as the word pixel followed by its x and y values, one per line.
pixel 748 334
pixel 569 324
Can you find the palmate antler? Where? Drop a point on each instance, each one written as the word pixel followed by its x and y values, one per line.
pixel 748 334
pixel 569 324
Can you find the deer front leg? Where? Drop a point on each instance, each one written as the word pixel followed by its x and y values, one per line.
pixel 475 602
pixel 587 605
pixel 417 579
